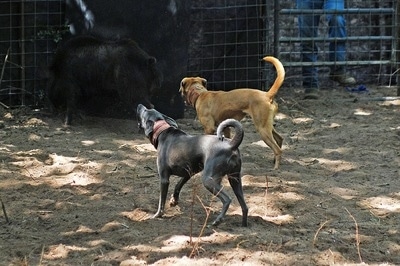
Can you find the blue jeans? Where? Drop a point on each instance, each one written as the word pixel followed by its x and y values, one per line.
pixel 308 27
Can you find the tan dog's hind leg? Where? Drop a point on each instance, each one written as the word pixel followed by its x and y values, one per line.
pixel 268 134
pixel 278 138
pixel 268 137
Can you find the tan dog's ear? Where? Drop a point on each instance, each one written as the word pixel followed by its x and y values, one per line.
pixel 182 85
pixel 204 82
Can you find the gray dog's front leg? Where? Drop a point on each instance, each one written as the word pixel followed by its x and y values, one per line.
pixel 164 183
pixel 175 197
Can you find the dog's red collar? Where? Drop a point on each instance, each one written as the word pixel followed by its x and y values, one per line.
pixel 192 97
pixel 158 128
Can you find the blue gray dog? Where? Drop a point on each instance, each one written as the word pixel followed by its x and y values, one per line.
pixel 184 155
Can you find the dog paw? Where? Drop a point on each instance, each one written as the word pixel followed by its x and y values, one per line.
pixel 173 202
pixel 157 215
pixel 216 222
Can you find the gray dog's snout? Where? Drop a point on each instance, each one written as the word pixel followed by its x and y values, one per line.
pixel 140 108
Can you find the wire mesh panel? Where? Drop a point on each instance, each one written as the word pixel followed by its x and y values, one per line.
pixel 370 40
pixel 29 32
pixel 227 42
pixel 230 37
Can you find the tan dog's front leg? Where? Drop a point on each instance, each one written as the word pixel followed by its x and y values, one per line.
pixel 208 125
pixel 227 133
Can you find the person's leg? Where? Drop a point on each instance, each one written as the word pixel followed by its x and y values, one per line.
pixel 308 28
pixel 337 49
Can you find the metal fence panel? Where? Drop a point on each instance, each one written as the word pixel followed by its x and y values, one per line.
pixel 230 38
pixel 29 32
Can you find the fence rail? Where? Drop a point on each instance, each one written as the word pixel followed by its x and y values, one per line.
pixel 372 39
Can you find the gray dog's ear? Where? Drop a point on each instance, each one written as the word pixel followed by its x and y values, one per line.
pixel 170 121
pixel 148 129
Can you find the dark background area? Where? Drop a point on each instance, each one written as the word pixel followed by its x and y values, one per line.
pixel 222 41
pixel 160 28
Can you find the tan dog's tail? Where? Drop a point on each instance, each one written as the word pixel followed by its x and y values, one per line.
pixel 280 75
pixel 237 139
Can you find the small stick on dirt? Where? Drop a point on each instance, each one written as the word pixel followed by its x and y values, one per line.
pixel 4 211
pixel 269 246
pixel 371 99
pixel 333 256
pixel 41 255
pixel 208 211
pixel 196 245
pixel 319 229
pixel 43 212
pixel 124 225
pixel 357 235
pixel 266 185
pixel 30 175
pixel 146 176
pixel 194 193
pixel 238 244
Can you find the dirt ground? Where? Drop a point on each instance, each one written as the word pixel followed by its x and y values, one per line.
pixel 84 195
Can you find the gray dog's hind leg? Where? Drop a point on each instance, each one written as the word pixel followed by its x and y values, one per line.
pixel 214 186
pixel 236 183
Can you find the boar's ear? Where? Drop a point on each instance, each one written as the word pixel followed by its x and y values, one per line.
pixel 204 82
pixel 157 75
pixel 151 61
pixel 170 121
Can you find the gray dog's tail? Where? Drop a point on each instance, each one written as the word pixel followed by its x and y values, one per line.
pixel 238 137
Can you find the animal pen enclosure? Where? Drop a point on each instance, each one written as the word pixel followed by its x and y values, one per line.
pixel 235 35
pixel 227 41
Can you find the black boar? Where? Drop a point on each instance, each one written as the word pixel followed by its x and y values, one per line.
pixel 85 67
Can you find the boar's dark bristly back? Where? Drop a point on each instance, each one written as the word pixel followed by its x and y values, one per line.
pixel 86 66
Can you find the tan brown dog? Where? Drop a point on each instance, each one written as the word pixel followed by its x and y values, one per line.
pixel 213 107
